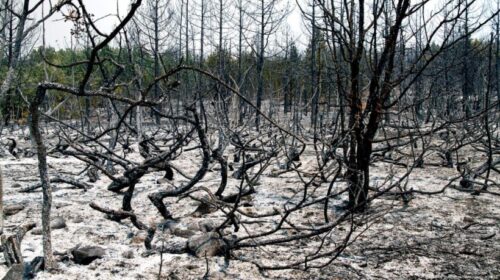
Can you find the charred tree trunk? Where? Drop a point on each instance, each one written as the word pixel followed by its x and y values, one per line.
pixel 44 176
pixel 380 87
pixel 260 65
pixel 1 203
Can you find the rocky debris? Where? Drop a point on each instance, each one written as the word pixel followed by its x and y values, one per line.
pixel 206 225
pixel 138 238
pixel 129 254
pixel 206 245
pixel 203 209
pixel 10 210
pixel 61 205
pixel 86 255
pixel 187 229
pixel 294 154
pixel 77 220
pixel 93 174
pixel 16 272
pixel 33 267
pixel 176 228
pixel 57 223
pixel 172 245
pixel 12 146
pixel 60 253
pixel 3 152
pixel 28 153
pixel 182 230
pixel 167 225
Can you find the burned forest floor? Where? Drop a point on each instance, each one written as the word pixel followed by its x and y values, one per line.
pixel 451 234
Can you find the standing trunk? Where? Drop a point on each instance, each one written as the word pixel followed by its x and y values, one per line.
pixel 187 85
pixel 241 114
pixel 497 54
pixel 359 177
pixel 355 172
pixel 466 86
pixel 113 134
pixel 260 64
pixel 156 59
pixel 314 92
pixel 187 31
pixel 380 86
pixel 202 57
pixel 286 81
pixel 1 203
pixel 44 176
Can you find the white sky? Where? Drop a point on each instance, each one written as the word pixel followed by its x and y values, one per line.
pixel 58 31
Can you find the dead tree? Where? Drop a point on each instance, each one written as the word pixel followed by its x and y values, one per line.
pixel 35 124
pixel 366 110
pixel 1 202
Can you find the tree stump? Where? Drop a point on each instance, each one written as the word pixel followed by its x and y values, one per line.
pixel 11 245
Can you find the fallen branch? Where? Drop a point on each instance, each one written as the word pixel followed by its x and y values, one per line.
pixel 118 215
pixel 57 179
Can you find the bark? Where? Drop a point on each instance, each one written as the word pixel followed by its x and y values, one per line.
pixel 314 84
pixel 44 177
pixel 467 83
pixel 260 65
pixel 57 179
pixel 157 197
pixel 156 58
pixel 240 58
pixel 380 87
pixel 1 202
pixel 497 54
pixel 11 245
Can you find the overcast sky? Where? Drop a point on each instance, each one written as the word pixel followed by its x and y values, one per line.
pixel 58 31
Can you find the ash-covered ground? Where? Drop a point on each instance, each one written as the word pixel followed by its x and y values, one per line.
pixel 448 235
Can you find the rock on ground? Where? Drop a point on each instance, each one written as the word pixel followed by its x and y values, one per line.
pixel 86 255
pixel 206 244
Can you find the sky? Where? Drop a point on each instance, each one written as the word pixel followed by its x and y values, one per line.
pixel 58 31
